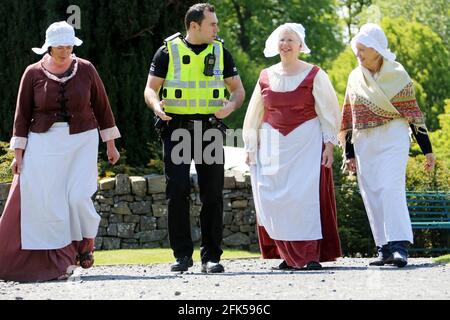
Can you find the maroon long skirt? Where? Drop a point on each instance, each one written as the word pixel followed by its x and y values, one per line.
pixel 298 253
pixel 31 265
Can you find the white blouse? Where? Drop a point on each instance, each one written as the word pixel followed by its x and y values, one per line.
pixel 326 105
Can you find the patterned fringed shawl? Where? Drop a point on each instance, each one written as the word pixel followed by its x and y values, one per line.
pixel 371 103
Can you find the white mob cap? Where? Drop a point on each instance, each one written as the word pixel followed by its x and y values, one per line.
pixel 271 48
pixel 372 36
pixel 58 34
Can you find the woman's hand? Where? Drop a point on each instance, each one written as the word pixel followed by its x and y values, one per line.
pixel 111 152
pixel 247 159
pixel 327 156
pixel 16 165
pixel 250 159
pixel 350 164
pixel 430 162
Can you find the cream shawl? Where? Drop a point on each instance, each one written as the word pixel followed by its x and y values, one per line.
pixel 392 78
pixel 378 95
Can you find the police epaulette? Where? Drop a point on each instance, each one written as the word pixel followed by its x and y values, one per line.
pixel 176 35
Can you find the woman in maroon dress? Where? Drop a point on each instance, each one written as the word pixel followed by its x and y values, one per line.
pixel 49 222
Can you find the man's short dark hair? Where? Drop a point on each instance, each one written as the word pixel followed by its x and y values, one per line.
pixel 196 13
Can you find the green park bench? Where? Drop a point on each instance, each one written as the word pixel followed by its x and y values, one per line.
pixel 429 210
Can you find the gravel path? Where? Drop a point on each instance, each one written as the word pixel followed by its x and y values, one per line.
pixel 245 279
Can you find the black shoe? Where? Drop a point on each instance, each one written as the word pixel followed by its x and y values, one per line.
pixel 283 266
pixel 384 256
pixel 381 261
pixel 399 259
pixel 182 264
pixel 212 267
pixel 313 265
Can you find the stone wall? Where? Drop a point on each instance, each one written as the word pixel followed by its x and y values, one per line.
pixel 133 212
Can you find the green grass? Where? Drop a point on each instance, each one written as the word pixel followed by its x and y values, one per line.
pixel 442 259
pixel 158 255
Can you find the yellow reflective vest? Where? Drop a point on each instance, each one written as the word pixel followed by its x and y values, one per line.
pixel 186 90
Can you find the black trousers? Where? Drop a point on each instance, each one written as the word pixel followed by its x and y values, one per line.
pixel 210 181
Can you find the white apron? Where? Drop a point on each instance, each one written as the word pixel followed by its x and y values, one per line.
pixel 286 183
pixel 382 155
pixel 58 178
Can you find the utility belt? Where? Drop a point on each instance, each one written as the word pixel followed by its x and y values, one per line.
pixel 190 122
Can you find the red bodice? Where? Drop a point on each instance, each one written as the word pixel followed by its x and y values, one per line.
pixel 285 111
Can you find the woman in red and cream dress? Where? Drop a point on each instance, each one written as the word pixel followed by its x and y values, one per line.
pixel 49 222
pixel 290 129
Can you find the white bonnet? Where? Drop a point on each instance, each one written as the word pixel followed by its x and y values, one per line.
pixel 58 34
pixel 271 48
pixel 371 35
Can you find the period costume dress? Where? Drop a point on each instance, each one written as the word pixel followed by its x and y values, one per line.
pixel 49 216
pixel 289 118
pixel 379 110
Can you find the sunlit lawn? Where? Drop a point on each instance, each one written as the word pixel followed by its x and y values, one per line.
pixel 442 259
pixel 164 255
pixel 157 255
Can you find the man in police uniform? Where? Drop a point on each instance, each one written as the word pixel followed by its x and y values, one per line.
pixel 192 74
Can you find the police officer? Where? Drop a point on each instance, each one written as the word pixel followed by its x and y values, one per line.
pixel 190 74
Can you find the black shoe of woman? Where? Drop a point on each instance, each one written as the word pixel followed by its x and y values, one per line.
pixel 283 266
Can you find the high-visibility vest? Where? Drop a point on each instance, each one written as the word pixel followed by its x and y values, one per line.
pixel 186 90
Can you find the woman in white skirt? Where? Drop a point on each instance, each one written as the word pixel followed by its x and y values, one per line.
pixel 379 109
pixel 49 222
pixel 290 129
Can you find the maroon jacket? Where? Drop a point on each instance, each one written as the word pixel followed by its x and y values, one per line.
pixel 86 101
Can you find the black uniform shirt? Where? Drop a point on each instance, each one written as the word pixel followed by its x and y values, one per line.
pixel 160 63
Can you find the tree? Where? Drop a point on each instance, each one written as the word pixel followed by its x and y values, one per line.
pixel 339 71
pixel 16 54
pixel 247 24
pixel 425 57
pixel 432 13
pixel 350 12
pixel 441 138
